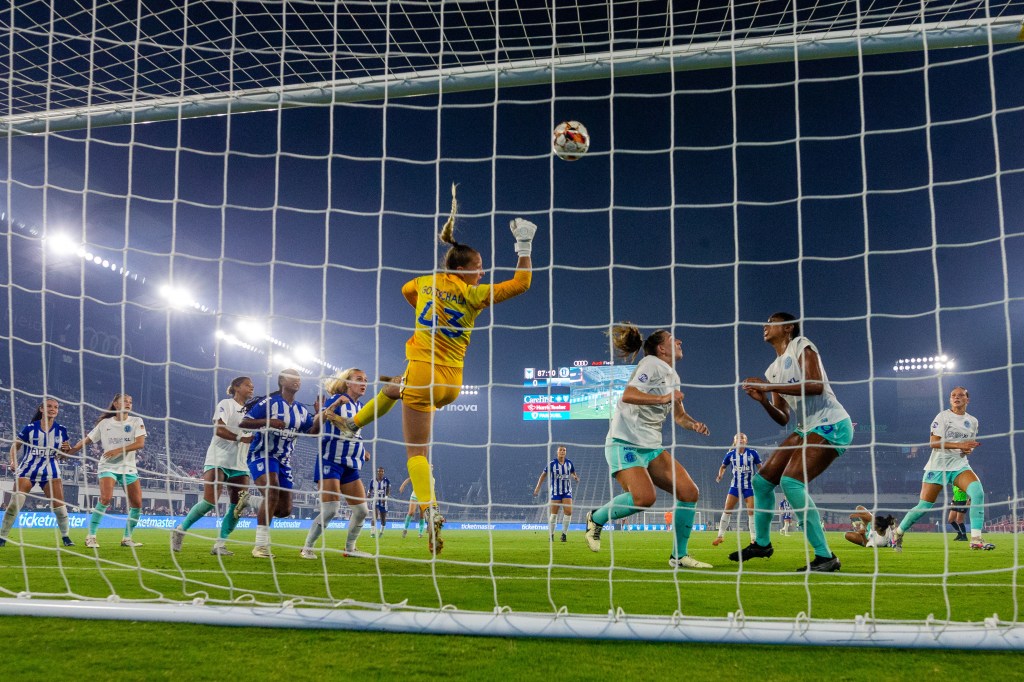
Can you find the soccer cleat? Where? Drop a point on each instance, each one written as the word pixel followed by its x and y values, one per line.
pixel 564 539
pixel 262 552
pixel 404 533
pixel 221 550
pixel 356 553
pixel 717 541
pixel 897 541
pixel 90 541
pixel 821 564
pixel 67 541
pixel 243 501
pixel 435 521
pixel 981 544
pixel 687 562
pixel 128 542
pixel 961 537
pixel 593 533
pixel 307 553
pixel 177 537
pixel 752 551
pixel 551 538
pixel 3 542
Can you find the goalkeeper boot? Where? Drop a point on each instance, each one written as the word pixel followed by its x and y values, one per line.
pixel 67 541
pixel 593 533
pixel 752 551
pixel 821 564
pixel 435 521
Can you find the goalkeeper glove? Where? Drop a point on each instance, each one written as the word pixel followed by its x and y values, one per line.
pixel 523 230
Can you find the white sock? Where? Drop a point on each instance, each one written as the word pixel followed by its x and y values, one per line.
pixel 11 515
pixel 565 522
pixel 63 522
pixel 263 535
pixel 723 524
pixel 975 534
pixel 327 512
pixel 552 520
pixel 355 524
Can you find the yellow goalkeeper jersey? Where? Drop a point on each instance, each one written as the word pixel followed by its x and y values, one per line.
pixel 446 311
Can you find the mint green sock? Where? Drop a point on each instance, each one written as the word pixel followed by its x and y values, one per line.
pixel 621 506
pixel 94 520
pixel 682 524
pixel 133 520
pixel 408 520
pixel 803 505
pixel 976 492
pixel 228 523
pixel 197 512
pixel 764 510
pixel 423 524
pixel 916 513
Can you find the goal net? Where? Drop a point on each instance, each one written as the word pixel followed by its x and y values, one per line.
pixel 212 190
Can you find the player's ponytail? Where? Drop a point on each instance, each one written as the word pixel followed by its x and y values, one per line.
pixel 235 383
pixel 787 318
pixel 628 341
pixel 458 255
pixel 39 413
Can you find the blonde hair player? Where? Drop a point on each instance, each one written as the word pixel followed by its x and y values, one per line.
pixel 446 305
pixel 225 466
pixel 633 448
pixel 121 435
pixel 953 438
pixel 46 441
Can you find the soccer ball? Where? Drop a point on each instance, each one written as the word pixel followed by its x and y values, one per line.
pixel 570 140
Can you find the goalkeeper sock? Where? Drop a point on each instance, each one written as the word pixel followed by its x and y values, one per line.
pixel 228 523
pixel 419 474
pixel 97 514
pixel 914 514
pixel 764 509
pixel 682 524
pixel 378 406
pixel 552 520
pixel 133 520
pixel 796 493
pixel 13 507
pixel 620 506
pixel 63 522
pixel 197 512
pixel 976 492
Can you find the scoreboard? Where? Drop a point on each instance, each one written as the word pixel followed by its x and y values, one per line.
pixel 584 389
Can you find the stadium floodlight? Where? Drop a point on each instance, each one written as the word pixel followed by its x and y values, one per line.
pixel 305 355
pixel 61 245
pixel 251 329
pixel 933 362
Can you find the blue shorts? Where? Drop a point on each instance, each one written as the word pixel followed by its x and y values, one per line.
pixel 124 480
pixel 562 498
pixel 787 517
pixel 622 455
pixel 333 470
pixel 943 477
pixel 262 465
pixel 39 470
pixel 381 507
pixel 747 492
pixel 840 434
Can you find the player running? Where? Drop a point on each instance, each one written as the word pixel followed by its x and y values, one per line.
pixel 953 438
pixel 46 442
pixel 796 383
pixel 225 466
pixel 561 471
pixel 341 459
pixel 380 492
pixel 447 304
pixel 633 448
pixel 744 462
pixel 121 435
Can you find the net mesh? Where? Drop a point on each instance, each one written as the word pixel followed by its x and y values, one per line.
pixel 872 196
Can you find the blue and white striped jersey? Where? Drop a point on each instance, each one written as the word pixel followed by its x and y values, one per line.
pixel 278 444
pixel 42 442
pixel 336 447
pixel 560 477
pixel 742 464
pixel 379 491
